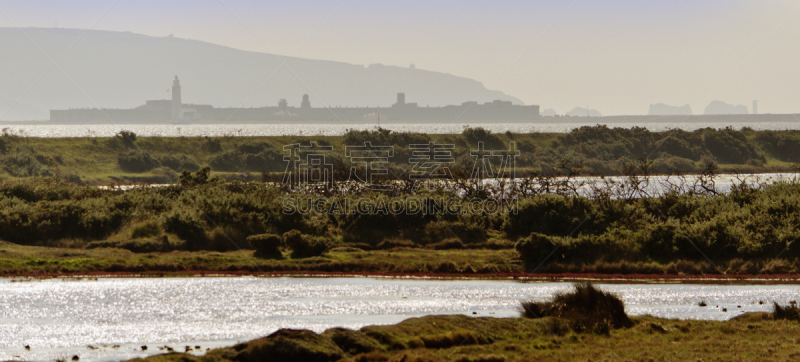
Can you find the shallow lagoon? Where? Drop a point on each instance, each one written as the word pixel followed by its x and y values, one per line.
pixel 59 318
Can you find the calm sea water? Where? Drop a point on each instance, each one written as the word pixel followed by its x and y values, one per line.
pixel 333 129
pixel 61 318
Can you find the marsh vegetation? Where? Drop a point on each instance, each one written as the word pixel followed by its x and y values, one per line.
pixel 540 223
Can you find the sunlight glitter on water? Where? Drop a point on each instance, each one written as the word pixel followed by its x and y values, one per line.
pixel 60 318
pixel 336 129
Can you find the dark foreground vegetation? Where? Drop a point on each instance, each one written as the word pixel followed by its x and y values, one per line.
pixel 545 226
pixel 585 324
pixel 597 150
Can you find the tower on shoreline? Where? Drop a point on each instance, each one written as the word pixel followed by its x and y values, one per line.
pixel 176 99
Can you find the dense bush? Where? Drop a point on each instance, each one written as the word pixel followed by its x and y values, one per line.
pixel 783 145
pixel 25 162
pixel 179 163
pixel 674 165
pixel 790 312
pixel 253 157
pixel 264 161
pixel 201 177
pixel 227 161
pixel 730 146
pixel 478 134
pixel 536 247
pixel 466 232
pixel 126 137
pixel 145 229
pixel 304 246
pixel 211 145
pixel 679 147
pixel 188 226
pixel 136 161
pixel 266 244
pixel 548 214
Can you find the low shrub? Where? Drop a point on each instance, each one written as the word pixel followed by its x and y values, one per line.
pixel 467 233
pixel 229 161
pixel 535 247
pixel 211 145
pixel 730 146
pixel 129 137
pixel 790 312
pixel 479 134
pixel 187 226
pixel 304 246
pixel 550 215
pixel 586 308
pixel 25 162
pixel 222 240
pixel 145 229
pixel 136 161
pixel 179 163
pixel 201 177
pixel 266 244
pixel 674 165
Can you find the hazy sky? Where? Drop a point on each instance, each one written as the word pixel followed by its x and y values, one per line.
pixel 615 56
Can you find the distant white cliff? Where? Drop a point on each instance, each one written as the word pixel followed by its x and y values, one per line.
pixel 583 112
pixel 720 107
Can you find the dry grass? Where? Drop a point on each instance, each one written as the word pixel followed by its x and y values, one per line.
pixel 523 339
pixel 585 308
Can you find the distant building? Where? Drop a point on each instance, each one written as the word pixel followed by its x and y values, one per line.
pixel 175 111
pixel 176 99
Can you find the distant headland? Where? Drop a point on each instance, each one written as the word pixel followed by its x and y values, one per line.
pixel 175 111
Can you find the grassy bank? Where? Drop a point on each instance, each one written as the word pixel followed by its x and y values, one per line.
pixel 592 150
pixel 18 260
pixel 438 338
pixel 36 261
pixel 561 335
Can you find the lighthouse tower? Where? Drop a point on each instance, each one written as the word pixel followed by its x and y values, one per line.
pixel 176 99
